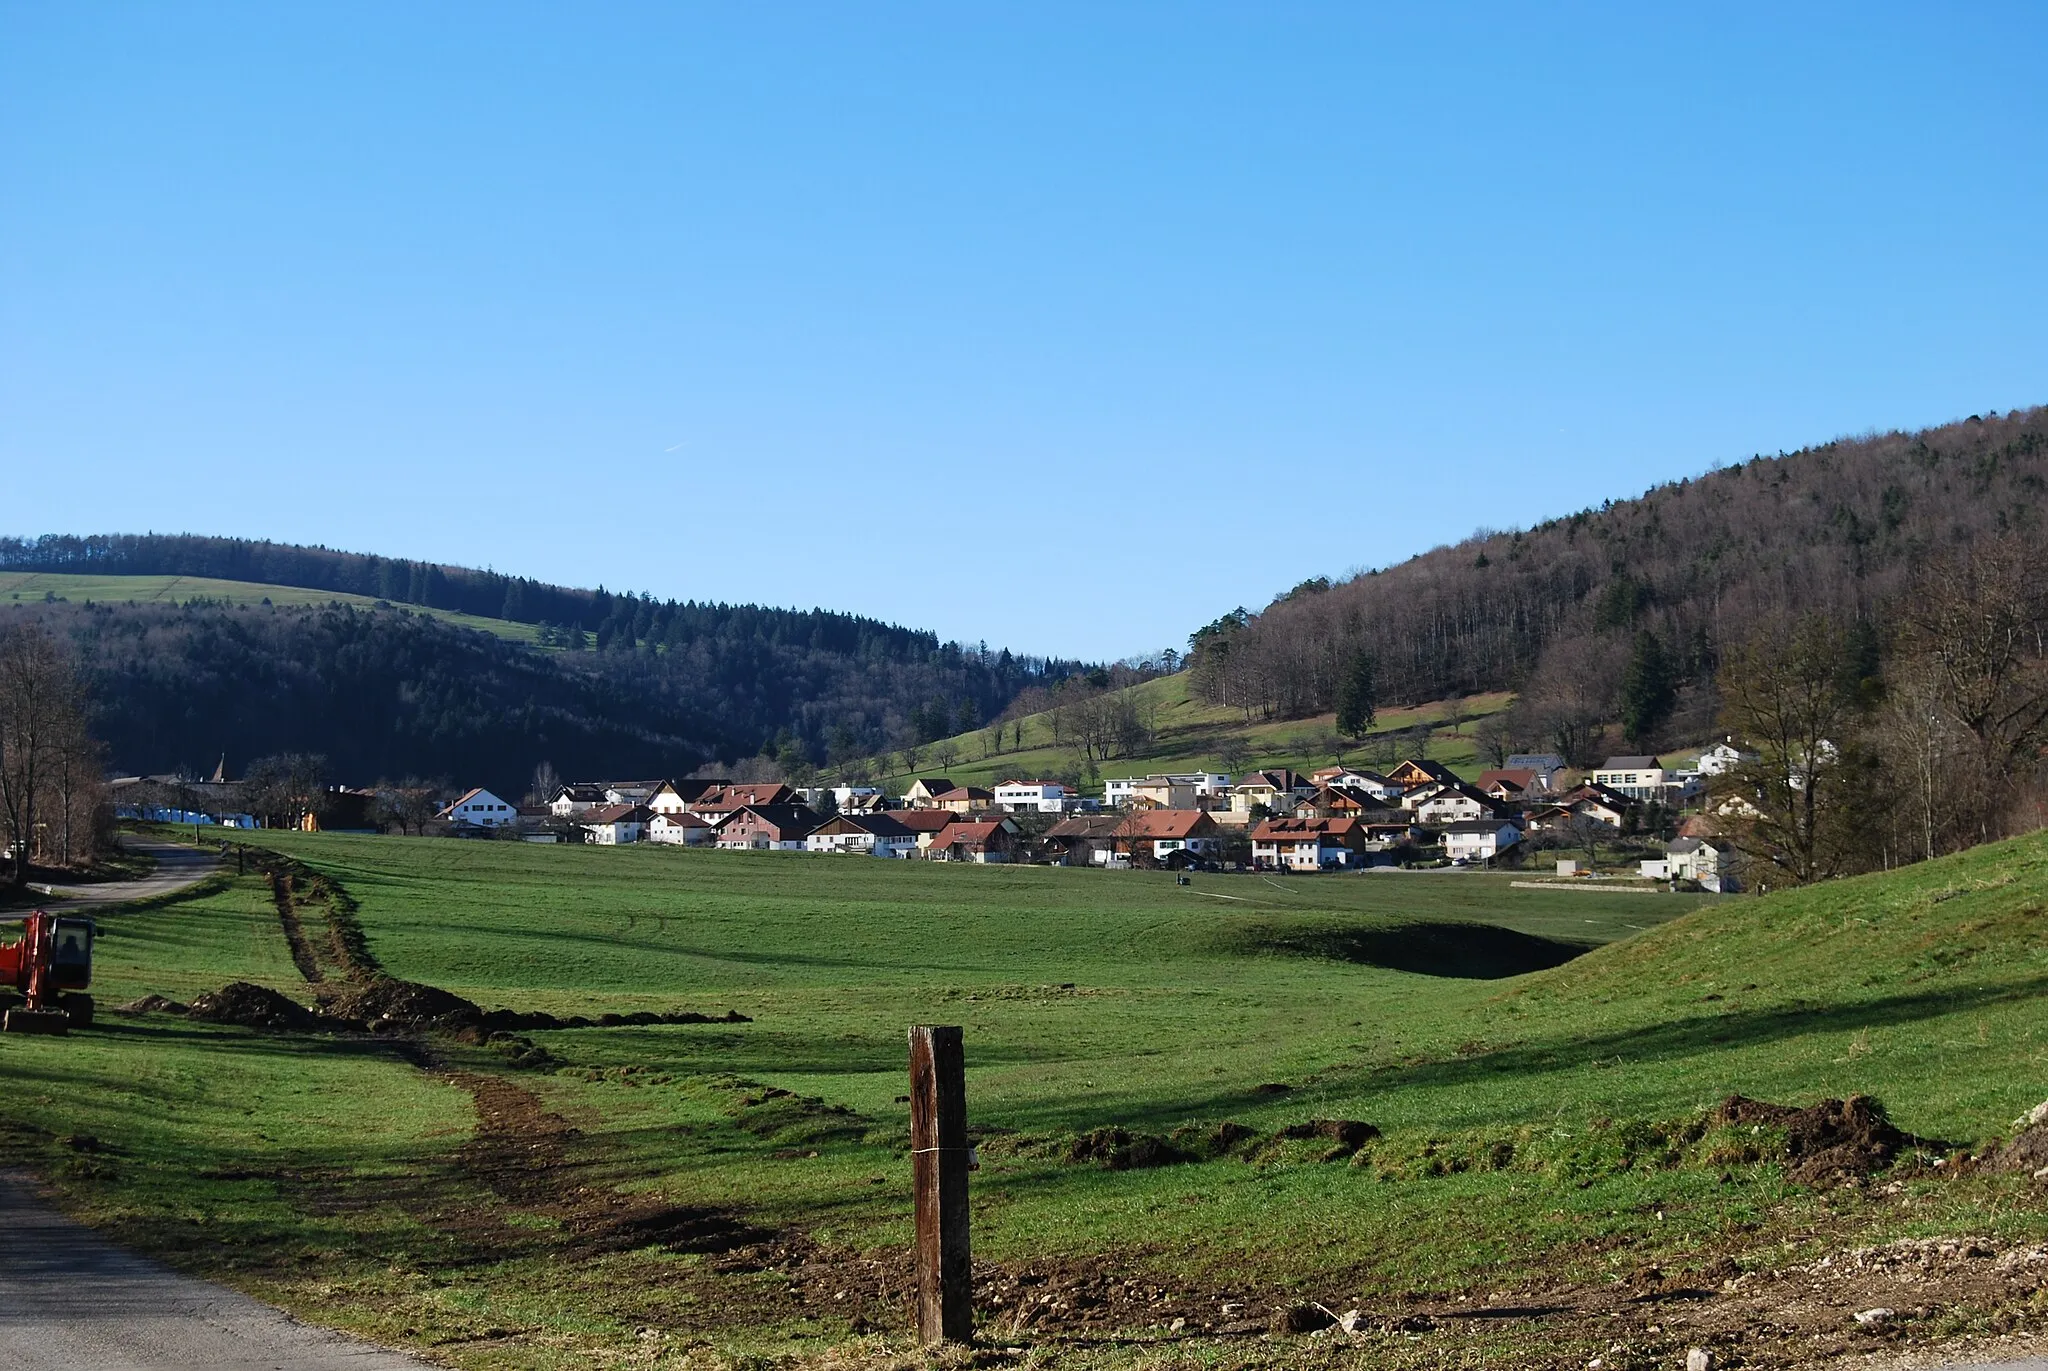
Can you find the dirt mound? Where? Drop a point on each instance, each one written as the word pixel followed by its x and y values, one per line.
pixel 1350 1134
pixel 1119 1149
pixel 388 1002
pixel 1831 1141
pixel 385 1003
pixel 2028 1151
pixel 153 1004
pixel 253 1006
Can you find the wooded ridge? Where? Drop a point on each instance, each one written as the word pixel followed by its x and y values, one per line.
pixel 1835 529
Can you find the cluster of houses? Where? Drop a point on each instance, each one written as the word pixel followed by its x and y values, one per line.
pixel 1333 819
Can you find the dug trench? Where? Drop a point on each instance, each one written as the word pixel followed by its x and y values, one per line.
pixel 532 1183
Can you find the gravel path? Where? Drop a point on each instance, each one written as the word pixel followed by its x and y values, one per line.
pixel 70 1301
pixel 177 867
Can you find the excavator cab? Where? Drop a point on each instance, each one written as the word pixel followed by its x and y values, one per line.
pixel 50 967
pixel 71 953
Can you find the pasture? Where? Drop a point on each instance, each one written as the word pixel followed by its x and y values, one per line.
pixel 1514 1080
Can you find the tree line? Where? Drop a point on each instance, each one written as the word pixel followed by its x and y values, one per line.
pixel 53 797
pixel 1559 612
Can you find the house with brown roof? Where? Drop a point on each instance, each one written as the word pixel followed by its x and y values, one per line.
pixel 1335 802
pixel 1453 802
pixel 1290 844
pixel 721 800
pixel 766 828
pixel 964 799
pixel 923 823
pixel 1083 840
pixel 614 825
pixel 1417 772
pixel 1509 785
pixel 675 797
pixel 869 835
pixel 963 841
pixel 679 829
pixel 1168 837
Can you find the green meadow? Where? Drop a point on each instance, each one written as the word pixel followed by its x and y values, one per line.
pixel 29 586
pixel 1530 1056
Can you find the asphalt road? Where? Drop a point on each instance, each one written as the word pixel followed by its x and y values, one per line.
pixel 177 866
pixel 70 1301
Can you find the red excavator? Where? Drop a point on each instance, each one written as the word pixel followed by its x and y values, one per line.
pixel 50 967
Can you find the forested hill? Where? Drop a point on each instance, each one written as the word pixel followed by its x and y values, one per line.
pixel 1836 528
pixel 633 685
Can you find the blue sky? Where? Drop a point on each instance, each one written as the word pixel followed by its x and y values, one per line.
pixel 1066 327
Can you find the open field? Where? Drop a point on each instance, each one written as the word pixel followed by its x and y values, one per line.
pixel 34 585
pixel 1190 734
pixel 1534 1149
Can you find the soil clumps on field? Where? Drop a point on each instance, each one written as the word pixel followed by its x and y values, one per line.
pixel 253 1006
pixel 1825 1143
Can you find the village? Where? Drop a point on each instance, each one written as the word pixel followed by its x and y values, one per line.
pixel 1418 815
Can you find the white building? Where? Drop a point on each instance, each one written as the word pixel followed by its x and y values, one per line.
pixel 679 828
pixel 867 835
pixel 1192 786
pixel 480 809
pixel 615 825
pixel 1031 797
pixel 1720 759
pixel 1449 804
pixel 1479 841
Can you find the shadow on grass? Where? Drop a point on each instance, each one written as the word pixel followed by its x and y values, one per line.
pixel 1517 1064
pixel 1466 951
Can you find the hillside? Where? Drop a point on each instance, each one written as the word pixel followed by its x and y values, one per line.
pixel 177 591
pixel 1837 528
pixel 1189 735
pixel 199 647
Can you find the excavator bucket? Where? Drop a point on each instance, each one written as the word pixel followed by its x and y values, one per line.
pixel 22 1019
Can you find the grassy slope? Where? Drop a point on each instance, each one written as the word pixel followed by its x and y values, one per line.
pixel 32 585
pixel 1190 732
pixel 1921 986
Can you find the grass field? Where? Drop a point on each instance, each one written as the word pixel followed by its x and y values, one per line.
pixel 35 585
pixel 1526 1117
pixel 1189 736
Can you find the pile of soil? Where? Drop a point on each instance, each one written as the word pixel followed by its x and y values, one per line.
pixel 2028 1151
pixel 1119 1149
pixel 153 1004
pixel 1835 1140
pixel 1349 1134
pixel 254 1006
pixel 385 1003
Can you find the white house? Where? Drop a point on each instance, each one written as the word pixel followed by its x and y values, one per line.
pixel 681 829
pixel 615 825
pixel 1639 778
pixel 1449 804
pixel 1694 859
pixel 870 835
pixel 856 799
pixel 572 800
pixel 1479 841
pixel 480 809
pixel 1167 789
pixel 1720 759
pixel 1031 797
pixel 1371 782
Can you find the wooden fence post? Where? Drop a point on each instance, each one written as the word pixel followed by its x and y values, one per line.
pixel 938 1157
